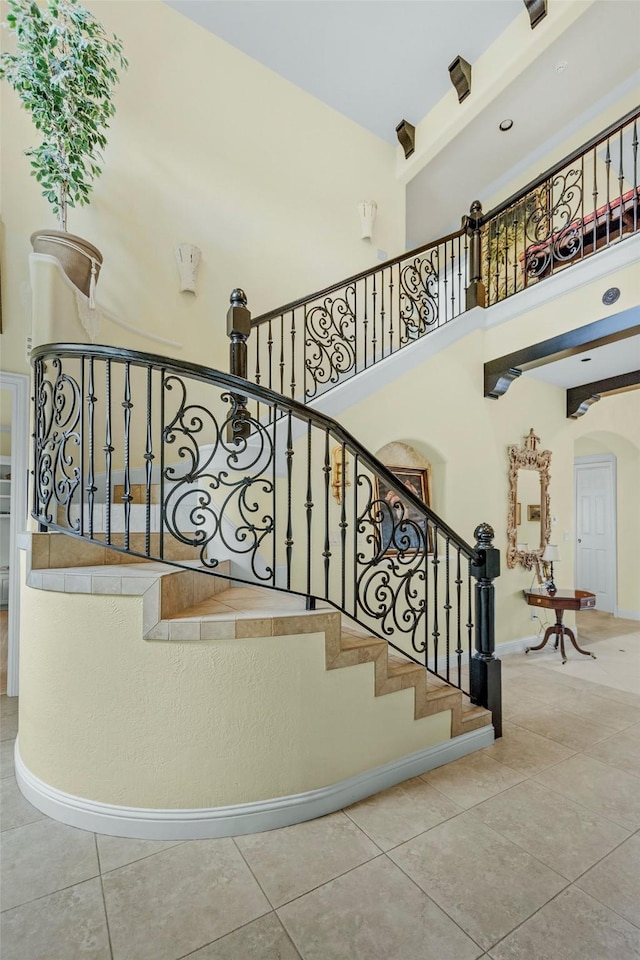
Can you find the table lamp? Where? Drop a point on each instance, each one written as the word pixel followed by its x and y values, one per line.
pixel 550 555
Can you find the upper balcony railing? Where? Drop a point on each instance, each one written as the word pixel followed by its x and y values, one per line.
pixel 584 203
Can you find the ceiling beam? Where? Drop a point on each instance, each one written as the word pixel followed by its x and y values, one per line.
pixel 579 399
pixel 500 373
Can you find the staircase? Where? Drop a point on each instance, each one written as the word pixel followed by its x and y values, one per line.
pixel 241 514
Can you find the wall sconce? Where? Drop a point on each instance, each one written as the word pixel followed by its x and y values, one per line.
pixel 367 211
pixel 406 133
pixel 537 10
pixel 550 556
pixel 460 73
pixel 339 465
pixel 188 260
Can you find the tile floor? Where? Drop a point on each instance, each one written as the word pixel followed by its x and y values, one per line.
pixel 528 850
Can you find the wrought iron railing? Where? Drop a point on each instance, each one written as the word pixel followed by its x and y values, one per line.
pixel 308 346
pixel 260 492
pixel 584 203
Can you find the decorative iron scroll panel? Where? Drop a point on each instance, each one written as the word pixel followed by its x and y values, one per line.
pixel 308 348
pixel 585 206
pixel 266 502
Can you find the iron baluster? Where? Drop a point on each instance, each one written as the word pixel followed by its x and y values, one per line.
pixel 91 478
pixel 82 447
pixel 620 185
pixel 308 506
pixel 459 278
pixel 634 148
pixel 327 543
pixel 289 535
pixel 126 496
pixel 366 325
pixel 293 355
pixel 453 288
pixel 281 362
pixel 274 488
pixel 374 340
pixel 108 451
pixel 343 525
pixel 583 182
pixel 163 440
pixel 459 651
pixel 390 309
pixel 435 633
pixel 257 373
pixel 148 457
pixel 594 194
pixel 356 515
pixel 447 606
pixel 607 163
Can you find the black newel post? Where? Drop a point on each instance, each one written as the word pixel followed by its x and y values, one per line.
pixel 486 684
pixel 475 296
pixel 238 330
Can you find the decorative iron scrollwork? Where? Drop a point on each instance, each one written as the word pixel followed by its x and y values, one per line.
pixel 330 340
pixel 57 444
pixel 240 519
pixel 419 295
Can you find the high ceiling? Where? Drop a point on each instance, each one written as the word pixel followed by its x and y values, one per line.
pixel 376 61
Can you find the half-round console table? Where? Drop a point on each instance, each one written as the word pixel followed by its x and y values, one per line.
pixel 560 601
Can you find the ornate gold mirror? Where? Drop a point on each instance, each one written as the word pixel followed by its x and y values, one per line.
pixel 529 522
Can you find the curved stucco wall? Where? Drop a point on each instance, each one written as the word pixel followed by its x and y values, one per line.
pixel 107 716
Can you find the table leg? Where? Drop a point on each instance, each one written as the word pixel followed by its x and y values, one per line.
pixel 549 632
pixel 562 653
pixel 571 636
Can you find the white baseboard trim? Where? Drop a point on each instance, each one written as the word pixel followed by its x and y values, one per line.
pixel 628 614
pixel 200 824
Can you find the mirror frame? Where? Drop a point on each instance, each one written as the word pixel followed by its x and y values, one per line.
pixel 528 457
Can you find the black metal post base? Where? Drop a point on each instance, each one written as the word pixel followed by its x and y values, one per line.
pixel 486 688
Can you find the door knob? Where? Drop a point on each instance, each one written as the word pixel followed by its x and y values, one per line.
pixel 579 540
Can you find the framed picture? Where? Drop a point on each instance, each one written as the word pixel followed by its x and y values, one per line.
pixel 518 514
pixel 533 511
pixel 399 529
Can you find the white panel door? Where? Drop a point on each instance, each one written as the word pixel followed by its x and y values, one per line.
pixel 595 540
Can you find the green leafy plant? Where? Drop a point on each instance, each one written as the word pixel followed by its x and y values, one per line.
pixel 64 70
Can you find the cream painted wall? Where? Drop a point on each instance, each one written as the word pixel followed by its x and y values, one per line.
pixel 439 407
pixel 210 147
pixel 107 716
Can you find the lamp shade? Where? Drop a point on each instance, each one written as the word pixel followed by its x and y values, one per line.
pixel 551 553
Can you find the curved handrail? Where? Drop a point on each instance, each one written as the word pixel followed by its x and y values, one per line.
pixel 263 395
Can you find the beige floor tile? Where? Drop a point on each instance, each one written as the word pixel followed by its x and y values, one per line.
pixel 472 779
pixel 115 852
pixel 6 760
pixel 621 751
pixel 571 927
pixel 8 706
pixel 597 786
pixel 563 727
pixel 68 925
pixel 15 811
pixel 294 860
pixel 398 814
pixel 374 913
pixel 9 727
pixel 43 857
pixel 264 939
pixel 602 710
pixel 565 836
pixel 615 881
pixel 483 881
pixel 513 703
pixel 525 751
pixel 174 902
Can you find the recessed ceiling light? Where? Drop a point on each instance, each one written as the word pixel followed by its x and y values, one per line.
pixel 505 125
pixel 585 360
pixel 562 66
